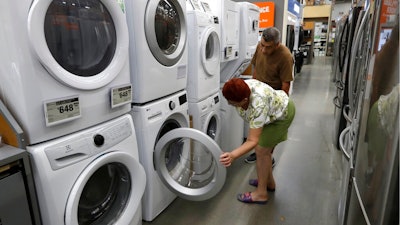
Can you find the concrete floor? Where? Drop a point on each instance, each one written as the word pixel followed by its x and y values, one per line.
pixel 307 171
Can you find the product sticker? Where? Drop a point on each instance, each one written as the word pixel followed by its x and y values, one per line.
pixel 121 95
pixel 61 110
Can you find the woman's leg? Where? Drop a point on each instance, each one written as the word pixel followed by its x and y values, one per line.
pixel 264 173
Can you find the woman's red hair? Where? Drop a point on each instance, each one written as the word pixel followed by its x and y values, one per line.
pixel 235 90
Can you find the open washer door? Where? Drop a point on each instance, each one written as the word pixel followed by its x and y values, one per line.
pixel 187 161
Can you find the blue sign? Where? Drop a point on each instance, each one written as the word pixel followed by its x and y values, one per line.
pixel 294 7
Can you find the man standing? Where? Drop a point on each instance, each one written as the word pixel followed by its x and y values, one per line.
pixel 272 64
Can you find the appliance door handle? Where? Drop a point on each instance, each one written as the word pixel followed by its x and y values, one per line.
pixel 346 110
pixel 360 202
pixel 336 102
pixel 354 55
pixel 339 84
pixel 342 143
pixel 341 54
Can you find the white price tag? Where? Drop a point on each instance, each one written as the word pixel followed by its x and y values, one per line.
pixel 62 110
pixel 121 95
pixel 228 52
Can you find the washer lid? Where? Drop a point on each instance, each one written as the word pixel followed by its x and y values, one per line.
pixel 82 44
pixel 187 161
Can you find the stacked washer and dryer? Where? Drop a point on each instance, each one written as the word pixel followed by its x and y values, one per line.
pixel 178 160
pixel 64 73
pixel 248 40
pixel 228 13
pixel 203 69
pixel 249 37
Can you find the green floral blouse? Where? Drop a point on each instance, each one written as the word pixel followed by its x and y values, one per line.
pixel 266 104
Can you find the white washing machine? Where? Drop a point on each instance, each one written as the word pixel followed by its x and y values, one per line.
pixel 205 116
pixel 90 177
pixel 232 129
pixel 63 64
pixel 204 51
pixel 158 37
pixel 228 13
pixel 178 160
pixel 249 32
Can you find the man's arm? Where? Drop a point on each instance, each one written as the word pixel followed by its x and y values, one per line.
pixel 286 87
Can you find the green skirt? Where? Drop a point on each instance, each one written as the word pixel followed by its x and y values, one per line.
pixel 276 132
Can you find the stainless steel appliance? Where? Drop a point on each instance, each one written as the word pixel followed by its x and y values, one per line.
pixel 371 140
pixel 341 77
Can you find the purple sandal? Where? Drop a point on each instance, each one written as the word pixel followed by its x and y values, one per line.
pixel 254 182
pixel 246 198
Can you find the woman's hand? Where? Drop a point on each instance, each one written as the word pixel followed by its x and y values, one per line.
pixel 226 159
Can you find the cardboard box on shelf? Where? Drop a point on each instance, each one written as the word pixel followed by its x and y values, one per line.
pixel 308 25
pixel 309 2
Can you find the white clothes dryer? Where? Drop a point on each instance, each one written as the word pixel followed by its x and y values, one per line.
pixel 204 50
pixel 249 32
pixel 63 64
pixel 178 160
pixel 158 40
pixel 228 13
pixel 90 177
pixel 205 116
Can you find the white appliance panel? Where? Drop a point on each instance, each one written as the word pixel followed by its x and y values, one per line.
pixel 155 121
pixel 249 32
pixel 54 88
pixel 204 61
pixel 151 121
pixel 228 13
pixel 158 46
pixel 68 171
pixel 205 116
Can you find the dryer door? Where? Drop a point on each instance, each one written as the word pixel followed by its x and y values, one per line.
pixel 108 191
pixel 83 44
pixel 165 29
pixel 187 161
pixel 210 52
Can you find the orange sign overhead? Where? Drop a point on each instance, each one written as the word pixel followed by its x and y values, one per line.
pixel 267 14
pixel 388 11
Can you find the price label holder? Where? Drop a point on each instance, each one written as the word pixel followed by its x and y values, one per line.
pixel 62 110
pixel 121 95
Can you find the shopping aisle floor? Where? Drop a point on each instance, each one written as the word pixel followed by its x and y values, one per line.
pixel 307 172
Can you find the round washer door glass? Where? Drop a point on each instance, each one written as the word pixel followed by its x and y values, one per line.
pixel 108 191
pixel 165 29
pixel 80 35
pixel 212 128
pixel 210 57
pixel 105 192
pixel 187 161
pixel 83 44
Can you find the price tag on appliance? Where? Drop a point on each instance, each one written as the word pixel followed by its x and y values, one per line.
pixel 62 110
pixel 121 95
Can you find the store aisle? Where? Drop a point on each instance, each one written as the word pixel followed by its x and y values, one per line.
pixel 307 171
